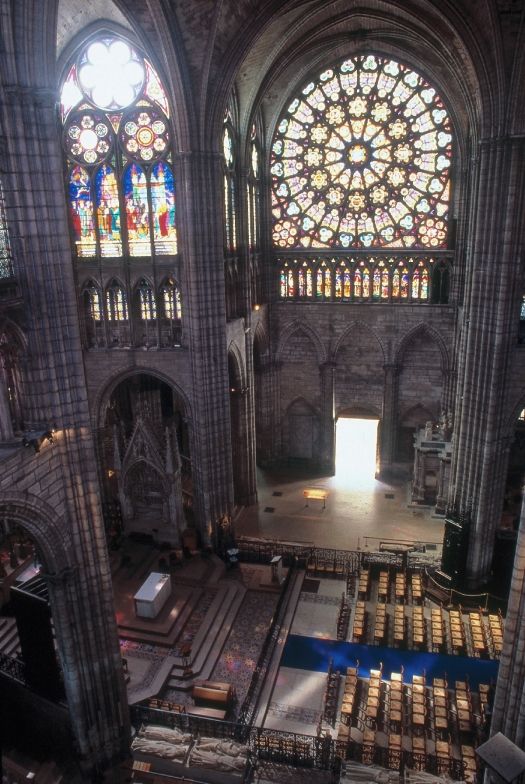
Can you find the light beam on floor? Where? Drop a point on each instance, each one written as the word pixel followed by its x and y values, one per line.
pixel 355 453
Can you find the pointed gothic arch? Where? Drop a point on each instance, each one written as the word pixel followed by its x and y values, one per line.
pixel 426 330
pixel 307 330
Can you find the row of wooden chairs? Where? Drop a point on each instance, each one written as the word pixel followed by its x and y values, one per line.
pixel 349 695
pixel 363 586
pixel 330 567
pixel 359 624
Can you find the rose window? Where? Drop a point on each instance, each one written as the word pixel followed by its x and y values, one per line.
pixel 144 135
pixel 360 159
pixel 88 137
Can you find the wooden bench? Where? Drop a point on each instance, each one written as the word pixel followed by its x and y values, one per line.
pixel 213 692
pixel 207 713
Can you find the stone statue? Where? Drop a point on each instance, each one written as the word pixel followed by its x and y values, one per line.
pixel 428 431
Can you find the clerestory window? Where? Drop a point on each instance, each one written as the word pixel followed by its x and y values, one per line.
pixel 360 166
pixel 117 144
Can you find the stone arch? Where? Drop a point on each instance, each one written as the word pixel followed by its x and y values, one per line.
pixel 49 533
pixel 301 356
pixel 421 361
pixel 102 396
pixel 359 358
pixel 159 46
pixel 237 366
pixel 7 325
pixel 433 334
pixel 298 326
pixel 261 341
pixel 353 326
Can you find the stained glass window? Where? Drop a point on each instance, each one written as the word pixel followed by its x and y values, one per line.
pixel 94 303
pixel 324 281
pixel 420 282
pixel 116 303
pixel 230 217
pixel 287 281
pixel 342 282
pixel 304 283
pixel 172 301
pixel 6 258
pixel 118 146
pixel 361 159
pixel 148 306
pixel 252 194
pixel 108 211
pixel 81 207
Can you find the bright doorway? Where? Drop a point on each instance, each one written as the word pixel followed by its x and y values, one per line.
pixel 356 452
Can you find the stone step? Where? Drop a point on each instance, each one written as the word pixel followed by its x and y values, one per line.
pixel 213 636
pixel 9 641
pixel 216 624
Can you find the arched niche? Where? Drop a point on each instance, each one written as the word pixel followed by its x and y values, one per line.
pixel 145 459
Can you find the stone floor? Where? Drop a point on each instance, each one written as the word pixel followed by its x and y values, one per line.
pixel 356 515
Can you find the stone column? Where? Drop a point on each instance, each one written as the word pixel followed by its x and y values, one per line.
pixel 389 421
pixel 55 386
pixel 327 451
pixel 6 423
pixel 489 335
pixel 509 701
pixel 202 227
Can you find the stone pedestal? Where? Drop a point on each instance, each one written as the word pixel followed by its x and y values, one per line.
pixel 431 469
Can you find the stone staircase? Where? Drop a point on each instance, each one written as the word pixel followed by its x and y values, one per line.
pixel 209 640
pixel 9 642
pixel 206 647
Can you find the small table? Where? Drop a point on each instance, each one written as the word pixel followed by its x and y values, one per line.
pixel 316 493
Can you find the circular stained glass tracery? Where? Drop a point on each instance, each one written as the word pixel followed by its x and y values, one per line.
pixel 88 137
pixel 144 135
pixel 361 159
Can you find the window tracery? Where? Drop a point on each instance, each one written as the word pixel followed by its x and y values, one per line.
pixel 230 211
pixel 148 306
pixel 116 303
pixel 360 162
pixel 118 149
pixel 357 279
pixel 361 159
pixel 6 257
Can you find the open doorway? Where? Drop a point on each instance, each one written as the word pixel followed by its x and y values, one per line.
pixel 356 452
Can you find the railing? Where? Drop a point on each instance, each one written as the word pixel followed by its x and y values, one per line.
pixel 249 705
pixel 285 747
pixel 299 553
pixel 470 600
pixel 14 668
pixel 306 555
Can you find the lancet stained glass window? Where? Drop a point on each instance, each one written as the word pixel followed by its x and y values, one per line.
pixel 6 257
pixel 116 303
pixel 361 159
pixel 118 150
pixel 172 301
pixel 358 279
pixel 230 207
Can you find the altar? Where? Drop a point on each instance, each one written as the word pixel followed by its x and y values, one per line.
pixel 152 595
